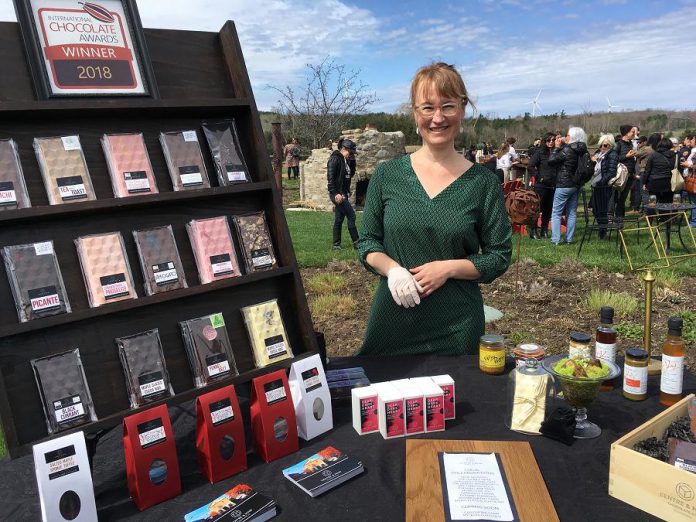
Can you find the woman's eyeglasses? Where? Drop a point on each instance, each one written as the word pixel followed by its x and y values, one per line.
pixel 604 145
pixel 447 109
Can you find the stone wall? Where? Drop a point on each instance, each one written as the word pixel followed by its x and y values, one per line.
pixel 373 148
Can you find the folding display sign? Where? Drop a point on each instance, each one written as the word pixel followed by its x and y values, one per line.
pixel 273 416
pixel 220 434
pixel 311 397
pixel 65 480
pixel 152 467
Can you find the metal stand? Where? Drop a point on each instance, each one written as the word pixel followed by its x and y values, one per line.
pixel 655 365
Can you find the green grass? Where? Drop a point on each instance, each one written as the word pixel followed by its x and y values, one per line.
pixel 325 283
pixel 328 306
pixel 624 304
pixel 668 279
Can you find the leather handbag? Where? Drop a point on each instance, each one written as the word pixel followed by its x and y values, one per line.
pixel 690 184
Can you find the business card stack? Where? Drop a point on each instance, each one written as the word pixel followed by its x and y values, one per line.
pixel 239 504
pixel 323 471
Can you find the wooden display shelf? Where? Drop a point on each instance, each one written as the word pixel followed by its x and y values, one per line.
pixel 140 302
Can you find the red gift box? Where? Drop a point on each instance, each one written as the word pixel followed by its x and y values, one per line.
pixel 152 467
pixel 273 417
pixel 220 434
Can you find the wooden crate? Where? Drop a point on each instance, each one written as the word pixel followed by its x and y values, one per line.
pixel 654 486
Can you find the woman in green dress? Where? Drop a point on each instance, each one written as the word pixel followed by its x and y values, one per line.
pixel 434 227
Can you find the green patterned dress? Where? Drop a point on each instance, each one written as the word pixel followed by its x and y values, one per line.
pixel 467 220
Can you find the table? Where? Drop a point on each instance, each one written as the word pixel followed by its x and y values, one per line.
pixel 576 476
pixel 670 208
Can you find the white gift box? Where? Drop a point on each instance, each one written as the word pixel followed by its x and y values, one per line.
pixel 311 397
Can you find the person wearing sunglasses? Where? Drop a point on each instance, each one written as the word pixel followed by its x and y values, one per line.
pixel 434 227
pixel 544 183
pixel 606 164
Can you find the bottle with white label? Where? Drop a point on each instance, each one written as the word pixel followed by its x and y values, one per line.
pixel 672 376
pixel 605 341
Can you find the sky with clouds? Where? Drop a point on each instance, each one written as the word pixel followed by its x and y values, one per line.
pixel 638 53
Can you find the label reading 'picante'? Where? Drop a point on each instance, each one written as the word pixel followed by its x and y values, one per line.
pixel 61 462
pixel 71 187
pixel 221 411
pixel 275 346
pixel 114 286
pixel 221 264
pixel 165 273
pixel 44 299
pixel 311 379
pixel 190 175
pixel 275 391
pixel 137 182
pixel 151 433
pixel 68 409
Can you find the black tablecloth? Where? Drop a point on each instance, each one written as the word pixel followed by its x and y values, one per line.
pixel 576 476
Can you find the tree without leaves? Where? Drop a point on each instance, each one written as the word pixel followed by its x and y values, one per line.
pixel 319 110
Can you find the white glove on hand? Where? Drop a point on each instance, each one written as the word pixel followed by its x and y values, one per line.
pixel 403 287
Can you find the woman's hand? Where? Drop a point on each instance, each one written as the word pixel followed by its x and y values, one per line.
pixel 431 276
pixel 403 287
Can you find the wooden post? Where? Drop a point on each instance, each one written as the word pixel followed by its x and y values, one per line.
pixel 277 154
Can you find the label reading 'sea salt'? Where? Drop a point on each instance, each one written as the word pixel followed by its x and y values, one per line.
pixel 68 409
pixel 151 433
pixel 164 273
pixel 190 176
pixel 311 379
pixel 275 391
pixel 221 265
pixel 137 182
pixel 151 383
pixel 217 364
pixel 71 187
pixel 61 462
pixel 275 346
pixel 8 196
pixel 44 299
pixel 114 286
pixel 221 411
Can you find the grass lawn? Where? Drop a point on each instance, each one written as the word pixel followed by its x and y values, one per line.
pixel 312 238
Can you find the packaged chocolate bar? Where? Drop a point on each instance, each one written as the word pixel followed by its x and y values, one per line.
pixel 257 247
pixel 35 279
pixel 64 391
pixel 184 160
pixel 64 169
pixel 129 165
pixel 267 334
pixel 144 367
pixel 105 268
pixel 13 189
pixel 159 260
pixel 208 348
pixel 213 249
pixel 223 142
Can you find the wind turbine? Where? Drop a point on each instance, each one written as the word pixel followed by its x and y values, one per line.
pixel 535 103
pixel 610 106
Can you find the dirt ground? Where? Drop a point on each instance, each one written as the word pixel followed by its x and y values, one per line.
pixel 545 307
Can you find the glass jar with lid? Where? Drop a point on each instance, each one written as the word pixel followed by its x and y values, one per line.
pixel 524 351
pixel 530 397
pixel 579 347
pixel 492 354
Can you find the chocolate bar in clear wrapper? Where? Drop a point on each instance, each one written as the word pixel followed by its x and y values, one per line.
pixel 223 142
pixel 208 348
pixel 159 260
pixel 64 392
pixel 129 165
pixel 13 189
pixel 144 367
pixel 267 334
pixel 105 268
pixel 184 160
pixel 213 249
pixel 255 239
pixel 63 169
pixel 35 279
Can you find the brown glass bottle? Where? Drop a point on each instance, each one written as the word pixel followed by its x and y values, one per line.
pixel 671 378
pixel 605 341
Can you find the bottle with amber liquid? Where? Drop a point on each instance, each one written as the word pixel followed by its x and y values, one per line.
pixel 605 341
pixel 671 378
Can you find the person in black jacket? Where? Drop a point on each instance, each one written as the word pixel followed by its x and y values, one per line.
pixel 657 176
pixel 544 182
pixel 565 156
pixel 624 148
pixel 606 164
pixel 338 176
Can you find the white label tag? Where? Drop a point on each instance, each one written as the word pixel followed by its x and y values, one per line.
pixel 151 436
pixel 8 197
pixel 276 348
pixel 190 135
pixel 223 268
pixel 219 367
pixel 43 303
pixel 275 394
pixel 58 466
pixel 635 379
pixel 312 381
pixel 192 179
pixel 222 414
pixel 115 289
pixel 579 353
pixel 152 387
pixel 166 276
pixel 672 376
pixel 236 175
pixel 262 261
pixel 136 184
pixel 44 248
pixel 72 191
pixel 71 142
pixel 70 412
pixel 605 351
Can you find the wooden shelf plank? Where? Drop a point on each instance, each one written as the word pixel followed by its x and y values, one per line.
pixel 132 304
pixel 149 200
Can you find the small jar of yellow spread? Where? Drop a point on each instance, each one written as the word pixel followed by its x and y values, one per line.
pixel 492 354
